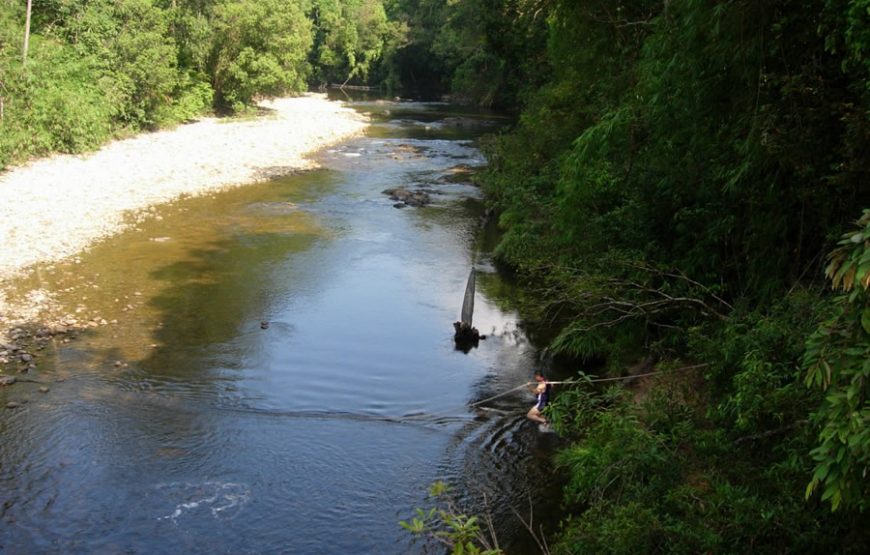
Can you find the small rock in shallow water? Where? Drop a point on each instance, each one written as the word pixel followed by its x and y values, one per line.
pixel 12 405
pixel 411 198
pixel 7 380
pixel 44 389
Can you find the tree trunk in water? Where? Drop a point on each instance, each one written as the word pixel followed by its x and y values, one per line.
pixel 467 312
pixel 27 31
pixel 466 335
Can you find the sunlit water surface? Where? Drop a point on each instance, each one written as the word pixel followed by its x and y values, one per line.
pixel 280 376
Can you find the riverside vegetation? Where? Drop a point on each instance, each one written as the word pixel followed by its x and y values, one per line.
pixel 686 184
pixel 96 69
pixel 683 186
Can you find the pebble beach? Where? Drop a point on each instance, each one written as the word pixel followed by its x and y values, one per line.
pixel 53 208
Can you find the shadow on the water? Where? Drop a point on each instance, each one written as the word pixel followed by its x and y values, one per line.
pixel 214 295
pixel 509 475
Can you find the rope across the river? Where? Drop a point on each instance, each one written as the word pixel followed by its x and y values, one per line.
pixel 632 377
pixel 583 380
pixel 414 417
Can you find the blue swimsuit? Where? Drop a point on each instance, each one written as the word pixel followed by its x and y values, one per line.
pixel 543 398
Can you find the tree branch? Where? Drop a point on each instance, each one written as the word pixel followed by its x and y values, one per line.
pixel 769 433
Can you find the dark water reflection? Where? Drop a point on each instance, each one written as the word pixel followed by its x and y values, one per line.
pixel 286 380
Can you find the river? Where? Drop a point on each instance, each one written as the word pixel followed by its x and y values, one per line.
pixel 277 372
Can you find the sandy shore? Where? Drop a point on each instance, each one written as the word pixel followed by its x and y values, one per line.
pixel 54 208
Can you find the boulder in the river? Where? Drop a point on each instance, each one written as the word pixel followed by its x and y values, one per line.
pixel 7 380
pixel 408 197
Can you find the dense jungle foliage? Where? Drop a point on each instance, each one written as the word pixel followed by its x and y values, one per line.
pixel 683 186
pixel 686 185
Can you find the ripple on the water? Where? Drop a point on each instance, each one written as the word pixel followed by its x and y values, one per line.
pixel 220 500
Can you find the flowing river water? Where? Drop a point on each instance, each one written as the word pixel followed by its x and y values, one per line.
pixel 277 373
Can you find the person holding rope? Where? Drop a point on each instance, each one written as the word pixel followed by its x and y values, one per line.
pixel 541 388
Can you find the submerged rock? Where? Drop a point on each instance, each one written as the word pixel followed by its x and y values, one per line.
pixel 408 197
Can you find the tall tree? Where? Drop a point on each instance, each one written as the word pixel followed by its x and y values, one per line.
pixel 27 31
pixel 350 37
pixel 260 48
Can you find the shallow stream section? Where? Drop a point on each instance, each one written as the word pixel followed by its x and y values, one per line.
pixel 274 371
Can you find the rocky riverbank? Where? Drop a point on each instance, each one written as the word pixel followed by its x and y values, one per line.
pixel 54 208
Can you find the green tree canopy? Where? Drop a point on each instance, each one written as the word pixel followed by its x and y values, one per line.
pixel 259 48
pixel 351 35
